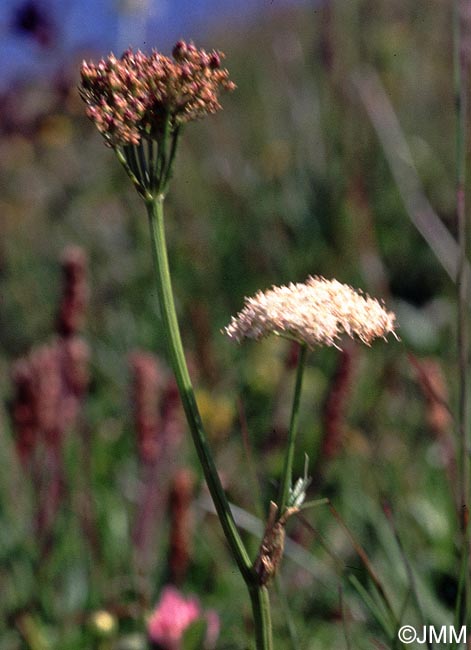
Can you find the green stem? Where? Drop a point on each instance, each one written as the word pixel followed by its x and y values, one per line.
pixel 124 158
pixel 286 480
pixel 262 616
pixel 460 85
pixel 171 158
pixel 143 164
pixel 161 170
pixel 258 594
pixel 177 358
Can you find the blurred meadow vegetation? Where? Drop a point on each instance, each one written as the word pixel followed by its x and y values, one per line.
pixel 289 180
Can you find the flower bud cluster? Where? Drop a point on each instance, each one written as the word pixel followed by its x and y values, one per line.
pixel 132 97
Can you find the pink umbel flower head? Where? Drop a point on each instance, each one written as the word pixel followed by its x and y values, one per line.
pixel 140 102
pixel 133 97
pixel 173 614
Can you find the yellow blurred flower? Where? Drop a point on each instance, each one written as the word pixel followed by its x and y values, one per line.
pixel 103 623
pixel 217 412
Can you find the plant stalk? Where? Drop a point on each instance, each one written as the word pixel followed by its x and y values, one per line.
pixel 460 89
pixel 287 476
pixel 258 593
pixel 262 616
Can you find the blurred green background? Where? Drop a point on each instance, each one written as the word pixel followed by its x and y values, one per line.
pixel 291 179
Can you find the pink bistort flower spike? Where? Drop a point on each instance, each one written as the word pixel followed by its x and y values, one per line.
pixel 173 614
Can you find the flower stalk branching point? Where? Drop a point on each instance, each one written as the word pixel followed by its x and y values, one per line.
pixel 314 313
pixel 140 103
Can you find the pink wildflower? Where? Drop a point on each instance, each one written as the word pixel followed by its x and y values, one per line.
pixel 173 614
pixel 133 97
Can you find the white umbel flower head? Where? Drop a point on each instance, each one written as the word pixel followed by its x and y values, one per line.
pixel 316 312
